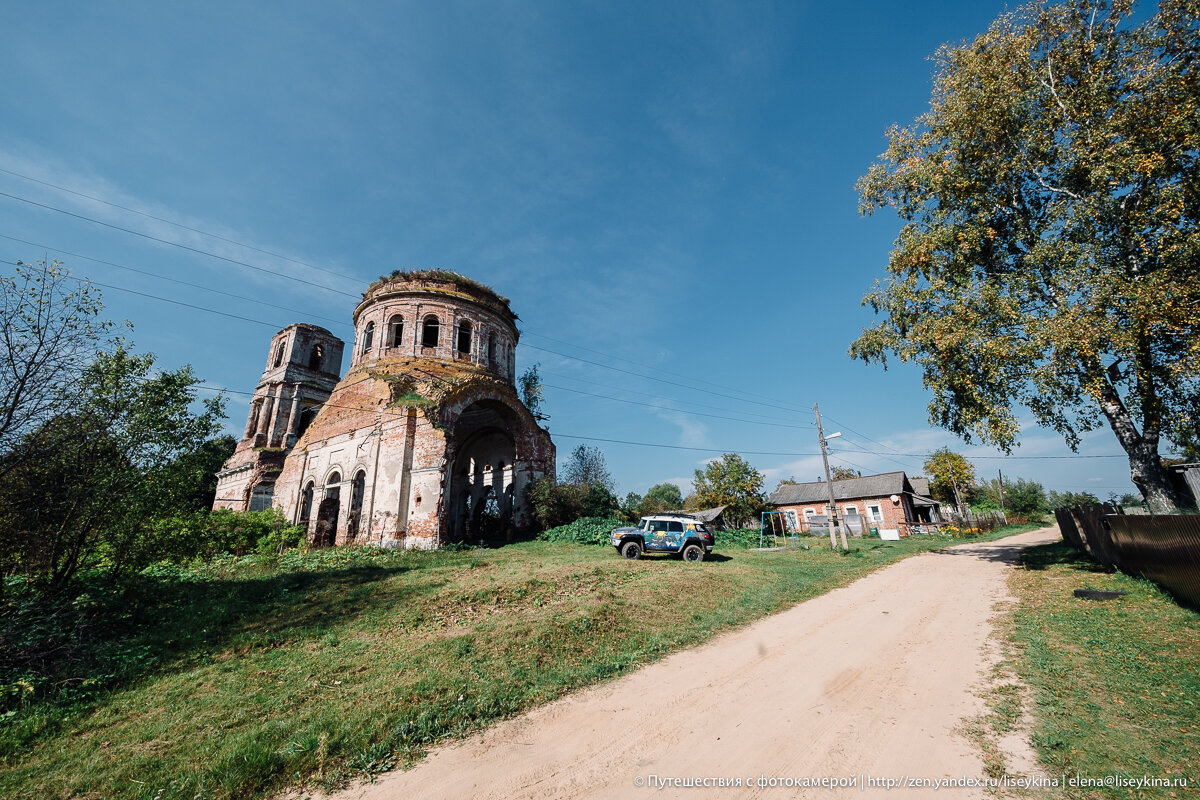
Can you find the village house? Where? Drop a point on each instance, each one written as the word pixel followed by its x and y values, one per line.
pixel 886 501
pixel 422 442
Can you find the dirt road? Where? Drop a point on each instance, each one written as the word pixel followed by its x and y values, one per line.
pixel 871 681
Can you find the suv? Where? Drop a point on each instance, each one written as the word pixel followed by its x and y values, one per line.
pixel 678 534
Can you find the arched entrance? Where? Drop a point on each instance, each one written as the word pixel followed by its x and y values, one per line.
pixel 481 475
pixel 325 534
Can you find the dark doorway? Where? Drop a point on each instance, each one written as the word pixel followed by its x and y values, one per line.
pixel 358 488
pixel 327 519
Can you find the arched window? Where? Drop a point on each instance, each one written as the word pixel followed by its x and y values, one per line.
pixel 260 498
pixel 368 337
pixel 334 479
pixel 464 337
pixel 316 359
pixel 358 488
pixel 278 356
pixel 430 331
pixel 306 501
pixel 491 347
pixel 395 331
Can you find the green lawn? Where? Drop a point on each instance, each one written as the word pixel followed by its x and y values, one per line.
pixel 237 678
pixel 1116 683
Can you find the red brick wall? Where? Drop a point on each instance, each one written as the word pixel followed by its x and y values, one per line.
pixel 893 514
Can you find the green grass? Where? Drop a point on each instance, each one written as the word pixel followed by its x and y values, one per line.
pixel 244 676
pixel 1116 683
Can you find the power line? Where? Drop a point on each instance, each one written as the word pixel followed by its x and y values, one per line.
pixel 639 364
pixel 680 447
pixel 389 408
pixel 857 433
pixel 659 380
pixel 176 244
pixel 273 254
pixel 676 410
pixel 563 435
pixel 317 285
pixel 671 399
pixel 177 224
pixel 276 326
pixel 174 280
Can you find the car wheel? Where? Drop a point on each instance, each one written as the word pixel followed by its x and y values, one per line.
pixel 631 550
pixel 693 552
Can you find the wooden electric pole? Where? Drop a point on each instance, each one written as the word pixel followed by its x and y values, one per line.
pixel 829 482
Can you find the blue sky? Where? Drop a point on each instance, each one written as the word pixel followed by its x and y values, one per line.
pixel 666 188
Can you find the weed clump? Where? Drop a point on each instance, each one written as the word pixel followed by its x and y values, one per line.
pixel 588 530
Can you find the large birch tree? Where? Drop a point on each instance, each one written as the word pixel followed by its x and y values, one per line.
pixel 1049 255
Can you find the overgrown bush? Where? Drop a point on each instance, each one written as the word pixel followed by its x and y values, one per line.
pixel 1024 496
pixel 556 504
pixel 209 533
pixel 742 538
pixel 588 530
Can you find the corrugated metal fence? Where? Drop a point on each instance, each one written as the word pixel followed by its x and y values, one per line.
pixel 1164 549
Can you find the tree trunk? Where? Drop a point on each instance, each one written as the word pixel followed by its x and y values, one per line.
pixel 1146 468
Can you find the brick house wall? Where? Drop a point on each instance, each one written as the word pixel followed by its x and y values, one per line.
pixel 894 514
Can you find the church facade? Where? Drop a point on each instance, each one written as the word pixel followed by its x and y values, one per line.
pixel 424 441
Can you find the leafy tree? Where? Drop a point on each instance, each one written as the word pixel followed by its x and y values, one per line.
pixel 195 474
pixel 662 497
pixel 631 507
pixel 985 496
pixel 731 482
pixel 1070 499
pixel 1050 251
pixel 1126 500
pixel 554 504
pixel 948 470
pixel 533 392
pixel 838 473
pixel 84 487
pixel 50 331
pixel 1187 447
pixel 1023 496
pixel 586 467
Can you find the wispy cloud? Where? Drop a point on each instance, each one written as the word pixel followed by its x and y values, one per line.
pixel 95 197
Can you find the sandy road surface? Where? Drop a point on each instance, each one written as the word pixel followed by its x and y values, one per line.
pixel 869 680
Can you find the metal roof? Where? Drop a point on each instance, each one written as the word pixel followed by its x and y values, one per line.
pixel 883 485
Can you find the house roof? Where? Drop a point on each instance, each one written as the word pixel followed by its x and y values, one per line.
pixel 708 514
pixel 888 483
pixel 920 486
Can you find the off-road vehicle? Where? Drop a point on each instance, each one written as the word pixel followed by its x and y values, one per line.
pixel 674 533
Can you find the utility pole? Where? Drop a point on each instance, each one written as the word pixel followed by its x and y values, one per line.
pixel 829 481
pixel 1001 474
pixel 957 498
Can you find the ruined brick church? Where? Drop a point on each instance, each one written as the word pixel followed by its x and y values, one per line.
pixel 422 442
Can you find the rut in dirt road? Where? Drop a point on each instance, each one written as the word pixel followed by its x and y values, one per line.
pixel 871 680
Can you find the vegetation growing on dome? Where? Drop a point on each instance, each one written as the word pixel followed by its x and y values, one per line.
pixel 437 275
